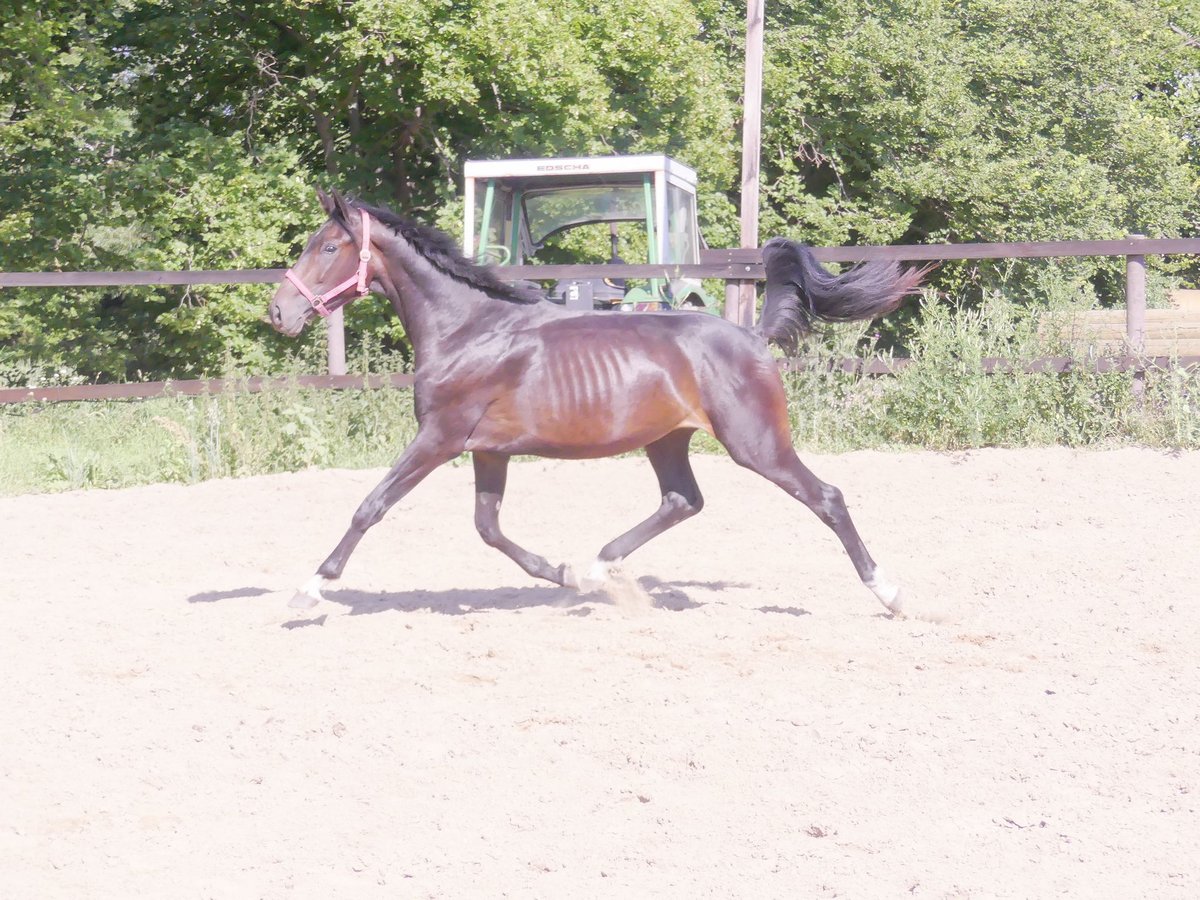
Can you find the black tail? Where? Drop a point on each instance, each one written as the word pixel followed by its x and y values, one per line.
pixel 801 292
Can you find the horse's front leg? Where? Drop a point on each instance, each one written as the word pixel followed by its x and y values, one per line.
pixel 491 475
pixel 422 456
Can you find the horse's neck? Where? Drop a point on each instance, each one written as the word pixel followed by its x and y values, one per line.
pixel 435 308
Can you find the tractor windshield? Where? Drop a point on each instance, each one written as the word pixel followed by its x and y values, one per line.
pixel 552 210
pixel 575 210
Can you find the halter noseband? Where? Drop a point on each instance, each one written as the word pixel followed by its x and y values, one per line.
pixel 320 302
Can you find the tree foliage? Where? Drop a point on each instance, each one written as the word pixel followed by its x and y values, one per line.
pixel 988 120
pixel 167 134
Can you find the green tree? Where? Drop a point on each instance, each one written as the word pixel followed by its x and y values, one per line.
pixel 79 190
pixel 162 133
pixel 931 120
pixel 193 127
pixel 389 96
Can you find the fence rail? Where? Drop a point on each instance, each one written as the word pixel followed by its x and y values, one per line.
pixel 117 279
pixel 880 366
pixel 141 390
pixel 732 265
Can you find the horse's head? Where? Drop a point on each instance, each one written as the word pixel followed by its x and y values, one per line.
pixel 334 268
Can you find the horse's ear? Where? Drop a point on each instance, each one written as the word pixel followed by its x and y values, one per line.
pixel 326 202
pixel 343 207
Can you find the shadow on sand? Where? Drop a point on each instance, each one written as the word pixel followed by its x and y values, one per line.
pixel 461 601
pixel 234 594
pixel 786 610
pixel 458 602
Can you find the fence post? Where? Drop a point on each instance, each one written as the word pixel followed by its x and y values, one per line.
pixel 740 300
pixel 733 301
pixel 1135 314
pixel 337 342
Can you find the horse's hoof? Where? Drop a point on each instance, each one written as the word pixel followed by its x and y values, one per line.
pixel 889 594
pixel 301 600
pixel 598 575
pixel 309 595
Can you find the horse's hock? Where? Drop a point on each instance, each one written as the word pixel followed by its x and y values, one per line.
pixel 1172 331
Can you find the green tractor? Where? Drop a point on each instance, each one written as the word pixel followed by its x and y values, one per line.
pixel 527 212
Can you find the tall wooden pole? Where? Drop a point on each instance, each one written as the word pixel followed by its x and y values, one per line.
pixel 1135 315
pixel 740 299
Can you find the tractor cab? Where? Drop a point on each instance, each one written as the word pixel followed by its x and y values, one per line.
pixel 619 209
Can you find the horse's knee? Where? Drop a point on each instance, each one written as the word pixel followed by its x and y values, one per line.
pixel 488 526
pixel 681 506
pixel 490 532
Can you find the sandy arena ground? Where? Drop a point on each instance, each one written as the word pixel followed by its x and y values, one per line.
pixel 752 726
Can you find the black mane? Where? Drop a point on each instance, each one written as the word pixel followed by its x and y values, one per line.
pixel 442 251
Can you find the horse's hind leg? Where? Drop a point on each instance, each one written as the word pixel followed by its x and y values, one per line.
pixel 681 500
pixel 491 475
pixel 754 427
pixel 420 458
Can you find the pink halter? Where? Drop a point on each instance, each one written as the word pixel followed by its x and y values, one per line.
pixel 320 302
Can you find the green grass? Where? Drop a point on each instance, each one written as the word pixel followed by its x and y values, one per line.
pixel 944 401
pixel 188 439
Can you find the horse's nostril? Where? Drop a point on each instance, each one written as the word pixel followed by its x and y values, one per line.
pixel 276 315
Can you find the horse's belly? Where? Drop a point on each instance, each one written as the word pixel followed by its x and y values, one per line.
pixel 594 403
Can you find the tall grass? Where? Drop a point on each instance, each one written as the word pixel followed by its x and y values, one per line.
pixel 946 400
pixel 188 439
pixel 943 400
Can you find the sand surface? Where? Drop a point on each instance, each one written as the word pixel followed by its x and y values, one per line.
pixel 751 726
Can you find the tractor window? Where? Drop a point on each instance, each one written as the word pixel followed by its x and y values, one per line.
pixel 682 240
pixel 593 244
pixel 551 210
pixel 493 239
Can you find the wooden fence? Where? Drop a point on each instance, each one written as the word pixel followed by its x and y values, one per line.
pixel 141 390
pixel 736 265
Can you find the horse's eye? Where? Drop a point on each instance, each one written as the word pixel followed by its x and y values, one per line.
pixel 329 248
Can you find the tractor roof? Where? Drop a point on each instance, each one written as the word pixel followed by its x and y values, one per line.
pixel 581 169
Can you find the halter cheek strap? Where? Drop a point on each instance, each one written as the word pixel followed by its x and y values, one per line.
pixel 321 303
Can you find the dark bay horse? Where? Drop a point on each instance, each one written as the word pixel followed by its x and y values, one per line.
pixel 500 372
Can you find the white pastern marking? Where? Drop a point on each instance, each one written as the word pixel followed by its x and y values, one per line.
pixel 598 575
pixel 570 579
pixel 309 595
pixel 888 593
pixel 313 587
pixel 602 569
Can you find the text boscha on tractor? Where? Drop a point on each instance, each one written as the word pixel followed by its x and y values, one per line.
pixel 621 209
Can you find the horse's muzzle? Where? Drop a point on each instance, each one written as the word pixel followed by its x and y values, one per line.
pixel 285 324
